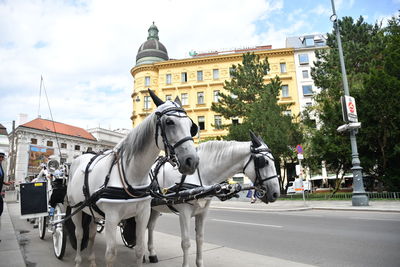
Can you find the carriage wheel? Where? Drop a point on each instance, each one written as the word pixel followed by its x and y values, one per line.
pixel 59 233
pixel 126 243
pixel 42 226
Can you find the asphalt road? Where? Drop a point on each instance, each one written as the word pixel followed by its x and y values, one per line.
pixel 322 238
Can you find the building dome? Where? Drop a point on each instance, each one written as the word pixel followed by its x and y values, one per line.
pixel 152 50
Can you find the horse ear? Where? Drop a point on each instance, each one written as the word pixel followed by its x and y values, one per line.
pixel 155 98
pixel 178 101
pixel 254 139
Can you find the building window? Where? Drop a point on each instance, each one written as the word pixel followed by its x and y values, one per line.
pixel 33 141
pixel 307 90
pixel 200 98
pixel 184 99
pixel 49 143
pixel 285 90
pixel 287 113
pixel 215 74
pixel 146 102
pixel 63 145
pixel 305 74
pixel 201 121
pixel 168 98
pixel 77 147
pixel 199 75
pixel 168 79
pixel 216 96
pixel 283 67
pixel 303 59
pixel 184 77
pixel 309 41
pixel 217 121
pixel 235 121
pixel 147 81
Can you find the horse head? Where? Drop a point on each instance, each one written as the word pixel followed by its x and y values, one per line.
pixel 266 178
pixel 174 134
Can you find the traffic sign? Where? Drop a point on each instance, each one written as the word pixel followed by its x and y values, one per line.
pixel 299 149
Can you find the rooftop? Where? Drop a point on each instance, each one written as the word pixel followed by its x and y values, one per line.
pixel 58 127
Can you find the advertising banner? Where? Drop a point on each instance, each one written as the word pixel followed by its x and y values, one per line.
pixel 38 155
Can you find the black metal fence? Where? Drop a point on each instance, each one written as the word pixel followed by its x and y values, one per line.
pixel 340 196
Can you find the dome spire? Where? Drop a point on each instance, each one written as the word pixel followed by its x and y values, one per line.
pixel 153 32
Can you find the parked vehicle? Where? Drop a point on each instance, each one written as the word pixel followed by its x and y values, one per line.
pixel 297 186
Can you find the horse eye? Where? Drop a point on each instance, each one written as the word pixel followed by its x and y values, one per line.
pixel 169 122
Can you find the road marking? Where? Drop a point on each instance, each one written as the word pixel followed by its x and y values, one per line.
pixel 254 224
pixel 373 219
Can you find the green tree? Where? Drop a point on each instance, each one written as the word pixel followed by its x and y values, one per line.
pixel 253 100
pixel 372 59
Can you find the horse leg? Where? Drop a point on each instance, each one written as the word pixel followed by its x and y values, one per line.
pixel 142 219
pixel 92 236
pixel 110 230
pixel 184 219
pixel 150 228
pixel 77 220
pixel 199 221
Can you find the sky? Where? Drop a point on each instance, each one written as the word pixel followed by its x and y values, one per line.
pixel 84 50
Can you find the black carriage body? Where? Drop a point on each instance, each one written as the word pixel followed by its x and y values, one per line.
pixel 33 200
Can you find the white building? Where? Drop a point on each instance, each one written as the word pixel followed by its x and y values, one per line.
pixel 39 139
pixel 304 56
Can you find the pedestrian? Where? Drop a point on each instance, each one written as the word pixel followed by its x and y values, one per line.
pixel 2 176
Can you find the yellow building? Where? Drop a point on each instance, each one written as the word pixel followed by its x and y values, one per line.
pixel 197 80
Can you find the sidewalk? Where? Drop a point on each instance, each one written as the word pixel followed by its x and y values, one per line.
pixel 10 253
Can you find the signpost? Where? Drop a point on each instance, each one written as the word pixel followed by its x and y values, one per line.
pixel 299 181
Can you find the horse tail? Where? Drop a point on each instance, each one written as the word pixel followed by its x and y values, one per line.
pixel 70 226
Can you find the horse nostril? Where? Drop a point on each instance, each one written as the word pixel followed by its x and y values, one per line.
pixel 275 195
pixel 189 162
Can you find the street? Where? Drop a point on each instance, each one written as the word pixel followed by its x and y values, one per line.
pixel 314 237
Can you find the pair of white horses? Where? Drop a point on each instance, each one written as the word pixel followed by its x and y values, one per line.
pixel 128 166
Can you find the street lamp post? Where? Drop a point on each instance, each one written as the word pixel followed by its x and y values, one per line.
pixel 359 197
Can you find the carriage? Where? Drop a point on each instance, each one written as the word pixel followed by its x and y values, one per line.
pixel 116 185
pixel 43 201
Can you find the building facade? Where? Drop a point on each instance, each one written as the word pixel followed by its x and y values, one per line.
pixel 39 140
pixel 304 57
pixel 198 80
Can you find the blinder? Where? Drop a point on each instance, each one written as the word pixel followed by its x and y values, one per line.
pixel 194 129
pixel 259 161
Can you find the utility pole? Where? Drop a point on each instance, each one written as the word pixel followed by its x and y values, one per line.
pixel 13 155
pixel 359 197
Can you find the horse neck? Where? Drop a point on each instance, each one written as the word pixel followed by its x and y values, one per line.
pixel 217 165
pixel 138 160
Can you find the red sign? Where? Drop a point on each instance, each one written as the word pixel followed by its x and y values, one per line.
pixel 351 107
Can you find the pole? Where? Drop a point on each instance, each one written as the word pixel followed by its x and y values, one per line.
pixel 359 197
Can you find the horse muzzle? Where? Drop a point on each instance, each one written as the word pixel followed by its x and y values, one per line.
pixel 188 164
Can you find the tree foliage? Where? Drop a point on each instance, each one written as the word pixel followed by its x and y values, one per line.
pixel 372 57
pixel 250 98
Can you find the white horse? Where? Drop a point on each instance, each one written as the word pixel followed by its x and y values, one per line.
pixel 117 183
pixel 219 160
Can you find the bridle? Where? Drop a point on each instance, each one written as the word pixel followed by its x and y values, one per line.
pixel 258 157
pixel 170 149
